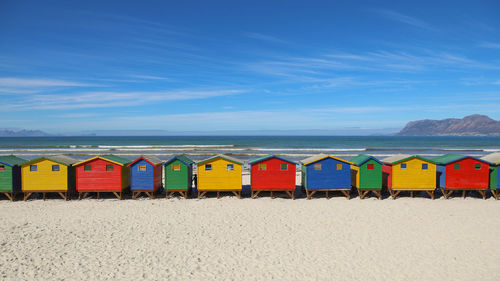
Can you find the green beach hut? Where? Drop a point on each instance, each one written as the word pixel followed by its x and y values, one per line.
pixel 178 175
pixel 10 175
pixel 494 159
pixel 366 175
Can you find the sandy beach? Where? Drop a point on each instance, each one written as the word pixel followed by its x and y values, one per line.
pixel 245 239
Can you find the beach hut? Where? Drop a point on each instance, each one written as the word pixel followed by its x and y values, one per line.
pixel 10 175
pixel 410 173
pixel 52 174
pixel 220 173
pixel 494 160
pixel 272 173
pixel 366 175
pixel 107 173
pixel 326 173
pixel 462 173
pixel 178 175
pixel 145 176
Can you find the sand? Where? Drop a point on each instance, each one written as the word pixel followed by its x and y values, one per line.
pixel 250 239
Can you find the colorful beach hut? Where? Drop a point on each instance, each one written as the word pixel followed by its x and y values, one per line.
pixel 494 160
pixel 145 176
pixel 326 173
pixel 366 175
pixel 52 174
pixel 178 176
pixel 272 173
pixel 410 173
pixel 462 173
pixel 107 173
pixel 10 175
pixel 220 173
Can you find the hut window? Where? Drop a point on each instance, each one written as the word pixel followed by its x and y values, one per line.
pixel 109 168
pixel 457 167
pixel 370 167
pixel 177 167
pixel 403 166
pixel 477 166
pixel 2 168
pixel 262 167
pixel 33 168
pixel 229 167
pixel 87 168
pixel 208 167
pixel 425 166
pixel 317 167
pixel 142 168
pixel 339 166
pixel 284 167
pixel 55 168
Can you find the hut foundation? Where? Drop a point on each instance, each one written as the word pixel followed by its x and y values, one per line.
pixel 290 193
pixel 345 192
pixel 182 193
pixel 84 194
pixel 236 192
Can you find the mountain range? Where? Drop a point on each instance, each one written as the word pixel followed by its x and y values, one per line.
pixel 472 125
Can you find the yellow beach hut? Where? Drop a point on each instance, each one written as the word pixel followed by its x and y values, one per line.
pixel 410 173
pixel 220 173
pixel 52 174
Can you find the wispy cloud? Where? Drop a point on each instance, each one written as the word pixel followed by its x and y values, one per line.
pixel 490 45
pixel 148 77
pixel 12 85
pixel 399 17
pixel 264 37
pixel 112 99
pixel 36 82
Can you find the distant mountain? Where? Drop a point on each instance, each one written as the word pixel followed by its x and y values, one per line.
pixel 22 133
pixel 473 125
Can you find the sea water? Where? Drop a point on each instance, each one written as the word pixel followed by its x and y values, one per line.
pixel 246 147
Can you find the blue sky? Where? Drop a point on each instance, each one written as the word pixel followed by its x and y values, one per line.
pixel 69 66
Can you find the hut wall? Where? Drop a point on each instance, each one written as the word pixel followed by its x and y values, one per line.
pixel 142 180
pixel 370 179
pixel 177 179
pixel 414 177
pixel 387 176
pixel 219 178
pixel 441 175
pixel 6 178
pixel 467 177
pixel 329 177
pixel 273 177
pixel 100 179
pixel 44 178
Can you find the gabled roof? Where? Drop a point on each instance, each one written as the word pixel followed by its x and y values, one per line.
pixel 153 160
pixel 265 157
pixel 318 157
pixel 493 158
pixel 11 160
pixel 110 158
pixel 450 158
pixel 222 156
pixel 362 158
pixel 61 159
pixel 398 158
pixel 183 158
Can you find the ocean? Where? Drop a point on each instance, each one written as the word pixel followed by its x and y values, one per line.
pixel 246 147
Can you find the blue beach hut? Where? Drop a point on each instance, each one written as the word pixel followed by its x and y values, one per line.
pixel 326 173
pixel 145 176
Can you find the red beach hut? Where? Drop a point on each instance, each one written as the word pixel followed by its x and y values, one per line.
pixel 462 173
pixel 107 173
pixel 272 173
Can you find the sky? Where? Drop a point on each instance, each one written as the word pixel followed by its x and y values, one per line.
pixel 70 66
